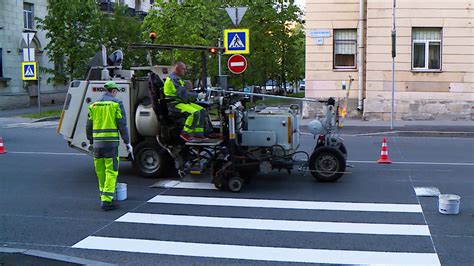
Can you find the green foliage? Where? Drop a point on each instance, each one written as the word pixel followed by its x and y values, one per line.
pixel 72 27
pixel 276 48
pixel 77 28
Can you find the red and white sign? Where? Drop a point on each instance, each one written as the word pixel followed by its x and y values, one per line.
pixel 237 64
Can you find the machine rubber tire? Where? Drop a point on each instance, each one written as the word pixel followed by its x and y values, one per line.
pixel 151 160
pixel 343 149
pixel 235 183
pixel 330 159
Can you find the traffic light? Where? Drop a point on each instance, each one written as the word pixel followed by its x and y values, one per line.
pixel 152 36
pixel 213 51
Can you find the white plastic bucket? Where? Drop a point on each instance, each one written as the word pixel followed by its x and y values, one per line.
pixel 449 203
pixel 121 191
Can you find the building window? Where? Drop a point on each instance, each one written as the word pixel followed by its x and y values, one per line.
pixel 345 48
pixel 426 50
pixel 1 64
pixel 28 17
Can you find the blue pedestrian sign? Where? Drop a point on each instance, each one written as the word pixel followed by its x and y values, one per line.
pixel 236 41
pixel 28 70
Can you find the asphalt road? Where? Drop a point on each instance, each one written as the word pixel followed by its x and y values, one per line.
pixel 49 202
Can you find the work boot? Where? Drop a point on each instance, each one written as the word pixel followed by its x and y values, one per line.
pixel 108 206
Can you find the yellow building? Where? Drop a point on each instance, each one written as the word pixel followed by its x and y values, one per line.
pixel 434 65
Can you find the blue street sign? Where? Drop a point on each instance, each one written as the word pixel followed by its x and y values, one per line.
pixel 28 70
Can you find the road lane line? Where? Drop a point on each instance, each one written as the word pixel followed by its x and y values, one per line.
pixel 416 163
pixel 47 153
pixel 288 204
pixel 276 225
pixel 255 252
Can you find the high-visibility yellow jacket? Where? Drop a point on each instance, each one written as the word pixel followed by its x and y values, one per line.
pixel 174 89
pixel 106 119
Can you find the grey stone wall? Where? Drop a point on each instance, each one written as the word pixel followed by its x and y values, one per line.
pixel 419 110
pixel 312 110
pixel 14 101
pixel 405 110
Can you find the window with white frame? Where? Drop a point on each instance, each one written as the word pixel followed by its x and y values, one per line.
pixel 426 49
pixel 28 17
pixel 345 48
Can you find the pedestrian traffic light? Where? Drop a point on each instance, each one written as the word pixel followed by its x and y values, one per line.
pixel 213 50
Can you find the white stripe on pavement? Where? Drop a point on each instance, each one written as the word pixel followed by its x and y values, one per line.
pixel 276 225
pixel 288 204
pixel 255 252
pixel 416 163
pixel 186 185
pixel 47 153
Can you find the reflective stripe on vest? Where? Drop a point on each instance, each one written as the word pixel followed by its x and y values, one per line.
pixel 104 115
pixel 169 88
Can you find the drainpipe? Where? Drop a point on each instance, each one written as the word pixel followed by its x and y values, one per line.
pixel 360 63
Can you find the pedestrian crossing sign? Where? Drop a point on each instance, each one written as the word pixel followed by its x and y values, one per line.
pixel 236 41
pixel 28 70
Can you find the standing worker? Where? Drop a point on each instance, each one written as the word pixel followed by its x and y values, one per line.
pixel 106 119
pixel 175 88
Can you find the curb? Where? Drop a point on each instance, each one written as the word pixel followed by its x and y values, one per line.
pixel 50 256
pixel 49 118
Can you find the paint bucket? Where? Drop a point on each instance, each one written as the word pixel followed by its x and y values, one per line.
pixel 121 191
pixel 449 203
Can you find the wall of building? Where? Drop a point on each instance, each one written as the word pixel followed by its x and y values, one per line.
pixel 445 94
pixel 13 91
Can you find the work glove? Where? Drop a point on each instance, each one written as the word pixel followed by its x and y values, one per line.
pixel 130 150
pixel 201 96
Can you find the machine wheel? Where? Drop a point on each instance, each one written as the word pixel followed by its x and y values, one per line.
pixel 151 160
pixel 343 149
pixel 327 164
pixel 235 183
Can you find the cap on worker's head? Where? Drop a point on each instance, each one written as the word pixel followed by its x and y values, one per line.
pixel 110 85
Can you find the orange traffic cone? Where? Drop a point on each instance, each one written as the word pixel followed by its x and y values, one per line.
pixel 2 148
pixel 384 153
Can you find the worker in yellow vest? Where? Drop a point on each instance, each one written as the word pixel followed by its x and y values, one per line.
pixel 175 89
pixel 107 119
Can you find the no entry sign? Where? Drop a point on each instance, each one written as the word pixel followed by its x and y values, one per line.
pixel 237 64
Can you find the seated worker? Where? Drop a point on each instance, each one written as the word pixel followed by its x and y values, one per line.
pixel 175 89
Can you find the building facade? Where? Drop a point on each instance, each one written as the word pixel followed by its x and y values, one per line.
pixel 16 18
pixel 434 64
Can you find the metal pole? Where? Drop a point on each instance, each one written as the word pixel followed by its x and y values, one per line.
pixel 39 94
pixel 219 56
pixel 394 34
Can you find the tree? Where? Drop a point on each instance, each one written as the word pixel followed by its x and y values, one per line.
pixel 76 29
pixel 277 50
pixel 72 28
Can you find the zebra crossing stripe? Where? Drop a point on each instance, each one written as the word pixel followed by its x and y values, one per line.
pixel 185 185
pixel 288 204
pixel 255 252
pixel 276 225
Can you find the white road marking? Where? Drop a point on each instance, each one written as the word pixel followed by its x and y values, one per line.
pixel 185 185
pixel 46 124
pixel 288 204
pixel 255 252
pixel 416 163
pixel 48 153
pixel 277 225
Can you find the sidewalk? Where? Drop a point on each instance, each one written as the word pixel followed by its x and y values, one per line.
pixel 432 127
pixel 29 110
